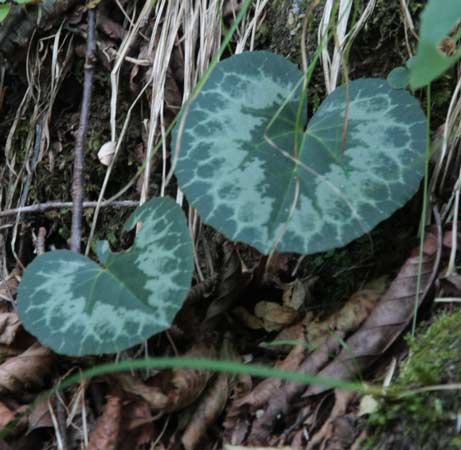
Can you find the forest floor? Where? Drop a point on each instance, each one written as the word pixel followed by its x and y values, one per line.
pixel 376 320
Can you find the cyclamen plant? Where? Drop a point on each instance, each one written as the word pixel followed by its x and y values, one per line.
pixel 256 173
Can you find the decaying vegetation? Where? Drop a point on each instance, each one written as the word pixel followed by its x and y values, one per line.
pixel 340 314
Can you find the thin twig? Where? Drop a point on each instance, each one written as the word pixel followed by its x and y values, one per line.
pixel 42 207
pixel 77 183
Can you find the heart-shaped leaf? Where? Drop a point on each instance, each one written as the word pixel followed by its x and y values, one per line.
pixel 256 176
pixel 437 47
pixel 77 307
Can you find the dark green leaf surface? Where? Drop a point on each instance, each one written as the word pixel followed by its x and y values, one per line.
pixel 4 11
pixel 77 307
pixel 399 78
pixel 437 20
pixel 361 157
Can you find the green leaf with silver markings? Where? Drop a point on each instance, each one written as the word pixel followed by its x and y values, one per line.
pixel 254 172
pixel 438 45
pixel 78 307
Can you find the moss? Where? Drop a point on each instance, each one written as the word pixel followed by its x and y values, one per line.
pixel 424 420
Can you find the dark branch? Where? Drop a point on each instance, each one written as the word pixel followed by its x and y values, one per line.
pixel 80 141
pixel 42 207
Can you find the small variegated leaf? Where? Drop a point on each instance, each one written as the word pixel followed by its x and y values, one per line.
pixel 252 172
pixel 78 307
pixel 437 48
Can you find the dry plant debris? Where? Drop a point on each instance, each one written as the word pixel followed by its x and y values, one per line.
pixel 153 54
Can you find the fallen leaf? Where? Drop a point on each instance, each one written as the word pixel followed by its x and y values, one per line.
pixel 382 327
pixel 9 326
pixel 212 402
pixel 230 284
pixel 26 371
pixel 172 390
pixel 388 319
pixel 264 391
pixel 295 294
pixel 275 316
pixel 137 425
pixel 235 426
pixel 338 431
pixel 40 417
pixel 6 415
pixel 106 435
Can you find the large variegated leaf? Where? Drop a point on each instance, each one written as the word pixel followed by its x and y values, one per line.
pixel 78 307
pixel 252 176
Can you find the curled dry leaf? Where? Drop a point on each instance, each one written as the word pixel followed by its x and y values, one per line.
pixel 172 390
pixel 9 326
pixel 106 435
pixel 382 327
pixel 26 371
pixel 8 289
pixel 106 153
pixel 212 402
pixel 349 317
pixel 297 294
pixel 338 431
pixel 275 316
pixel 6 415
pixel 137 426
pixel 235 426
pixel 264 391
pixel 230 282
pixel 346 320
pixel 389 318
pixel 287 394
pixel 40 417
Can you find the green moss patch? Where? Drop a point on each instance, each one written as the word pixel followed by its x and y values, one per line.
pixel 427 420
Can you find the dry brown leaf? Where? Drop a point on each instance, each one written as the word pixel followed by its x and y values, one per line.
pixel 27 370
pixel 9 326
pixel 172 390
pixel 382 327
pixel 40 417
pixel 8 289
pixel 6 415
pixel 388 319
pixel 106 435
pixel 235 426
pixel 212 402
pixel 230 284
pixel 208 410
pixel 344 321
pixel 350 316
pixel 137 428
pixel 286 395
pixel 296 294
pixel 337 428
pixel 264 391
pixel 153 395
pixel 275 316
